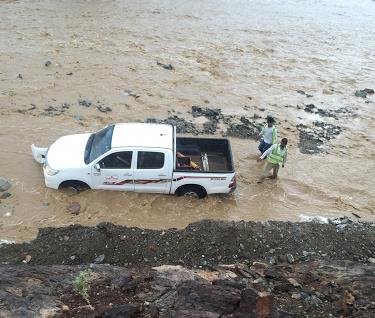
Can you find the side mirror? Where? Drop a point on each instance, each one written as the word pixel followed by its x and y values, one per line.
pixel 97 167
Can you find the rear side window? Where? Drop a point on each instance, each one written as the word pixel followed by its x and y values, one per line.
pixel 117 160
pixel 150 160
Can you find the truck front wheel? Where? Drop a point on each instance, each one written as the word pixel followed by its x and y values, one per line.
pixel 192 191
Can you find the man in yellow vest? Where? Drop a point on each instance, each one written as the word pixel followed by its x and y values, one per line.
pixel 276 157
pixel 268 135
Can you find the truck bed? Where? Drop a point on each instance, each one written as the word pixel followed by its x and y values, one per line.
pixel 210 154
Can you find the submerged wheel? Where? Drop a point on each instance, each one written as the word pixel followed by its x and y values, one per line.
pixel 192 191
pixel 77 186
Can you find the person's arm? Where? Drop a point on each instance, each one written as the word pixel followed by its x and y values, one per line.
pixel 267 152
pixel 286 155
pixel 261 133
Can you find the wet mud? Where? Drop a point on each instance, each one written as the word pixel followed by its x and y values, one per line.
pixel 77 67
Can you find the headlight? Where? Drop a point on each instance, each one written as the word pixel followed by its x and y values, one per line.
pixel 49 170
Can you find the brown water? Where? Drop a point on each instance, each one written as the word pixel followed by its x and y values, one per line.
pixel 226 54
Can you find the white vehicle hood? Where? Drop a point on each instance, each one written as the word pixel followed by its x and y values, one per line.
pixel 67 152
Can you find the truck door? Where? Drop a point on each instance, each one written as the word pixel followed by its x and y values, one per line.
pixel 114 172
pixel 153 172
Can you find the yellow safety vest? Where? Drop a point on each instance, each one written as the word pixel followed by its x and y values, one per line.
pixel 274 135
pixel 277 155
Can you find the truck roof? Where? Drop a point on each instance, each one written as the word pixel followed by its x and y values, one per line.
pixel 142 135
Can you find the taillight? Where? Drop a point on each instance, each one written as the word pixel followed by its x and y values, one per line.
pixel 233 182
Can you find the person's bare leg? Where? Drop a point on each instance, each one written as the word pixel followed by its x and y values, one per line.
pixel 275 171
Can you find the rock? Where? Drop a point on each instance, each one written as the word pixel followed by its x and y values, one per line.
pixel 65 307
pixel 182 126
pixel 99 259
pixel 364 92
pixel 273 260
pixel 313 300
pixel 260 265
pixel 244 130
pixel 210 113
pixel 294 282
pixel 290 258
pixel 194 295
pixel 371 260
pixel 20 76
pixel 27 259
pixel 104 109
pixel 5 195
pixel 165 66
pixel 255 304
pixel 296 296
pixel 272 274
pixel 69 73
pixel 310 108
pixel 84 103
pixel 301 92
pixel 311 139
pixel 47 63
pixel 77 117
pixel 193 314
pixel 125 311
pixel 74 208
pixel 4 184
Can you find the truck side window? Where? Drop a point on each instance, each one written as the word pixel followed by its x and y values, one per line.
pixel 150 160
pixel 117 160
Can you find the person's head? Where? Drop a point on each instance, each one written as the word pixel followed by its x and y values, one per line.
pixel 283 142
pixel 270 121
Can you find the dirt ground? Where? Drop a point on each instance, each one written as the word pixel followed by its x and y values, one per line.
pixel 200 244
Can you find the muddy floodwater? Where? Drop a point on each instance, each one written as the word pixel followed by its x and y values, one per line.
pixel 75 66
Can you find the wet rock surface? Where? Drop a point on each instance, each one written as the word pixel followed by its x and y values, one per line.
pixel 364 92
pixel 182 125
pixel 314 275
pixel 313 138
pixel 245 129
pixel 235 126
pixel 311 108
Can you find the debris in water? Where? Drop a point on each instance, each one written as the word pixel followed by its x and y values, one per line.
pixel 166 66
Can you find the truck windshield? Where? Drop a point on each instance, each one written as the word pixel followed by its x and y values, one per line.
pixel 98 144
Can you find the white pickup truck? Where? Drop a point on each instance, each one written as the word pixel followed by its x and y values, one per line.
pixel 141 158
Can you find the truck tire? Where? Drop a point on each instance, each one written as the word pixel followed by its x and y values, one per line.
pixel 76 185
pixel 192 191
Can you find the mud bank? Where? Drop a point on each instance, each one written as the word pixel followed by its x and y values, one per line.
pixel 221 269
pixel 200 244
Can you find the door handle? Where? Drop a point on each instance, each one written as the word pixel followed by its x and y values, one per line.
pixel 162 175
pixel 127 174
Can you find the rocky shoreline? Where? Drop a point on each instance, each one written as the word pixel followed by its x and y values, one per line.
pixel 311 140
pixel 217 269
